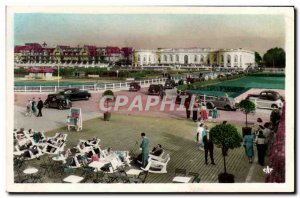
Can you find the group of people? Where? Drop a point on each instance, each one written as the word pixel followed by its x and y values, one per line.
pixel 263 138
pixel 32 107
pixel 199 112
pixel 205 142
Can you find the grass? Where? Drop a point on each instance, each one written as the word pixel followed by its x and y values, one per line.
pixel 177 137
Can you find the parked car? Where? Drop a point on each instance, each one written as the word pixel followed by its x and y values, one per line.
pixel 134 86
pixel 157 90
pixel 75 94
pixel 57 101
pixel 267 99
pixel 225 102
pixel 170 84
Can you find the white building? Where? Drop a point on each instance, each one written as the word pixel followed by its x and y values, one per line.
pixel 229 58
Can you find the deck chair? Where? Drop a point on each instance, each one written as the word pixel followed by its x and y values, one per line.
pixel 158 158
pixel 33 155
pixel 155 166
pixel 86 149
pixel 51 149
pixel 77 164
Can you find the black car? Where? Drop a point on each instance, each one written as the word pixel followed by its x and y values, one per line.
pixel 157 90
pixel 170 84
pixel 134 86
pixel 57 101
pixel 75 94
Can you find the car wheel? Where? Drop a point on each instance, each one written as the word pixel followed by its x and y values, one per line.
pixel 209 106
pixel 274 106
pixel 60 107
pixel 228 108
pixel 86 97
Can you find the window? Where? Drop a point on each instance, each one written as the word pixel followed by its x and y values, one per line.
pixel 144 58
pixel 202 58
pixel 228 59
pixel 177 58
pixel 236 58
pixel 139 57
pixel 196 58
pixel 149 58
pixel 222 58
pixel 165 58
pixel 215 57
pixel 171 58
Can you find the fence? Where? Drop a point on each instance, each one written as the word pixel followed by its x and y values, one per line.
pixel 93 87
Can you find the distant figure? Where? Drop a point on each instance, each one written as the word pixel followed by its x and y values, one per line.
pixel 208 147
pixel 204 113
pixel 29 108
pixel 145 149
pixel 248 144
pixel 214 114
pixel 187 108
pixel 40 106
pixel 195 110
pixel 261 148
pixel 199 136
pixel 33 106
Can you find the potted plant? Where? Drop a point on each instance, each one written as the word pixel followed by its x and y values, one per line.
pixel 106 93
pixel 225 136
pixel 247 106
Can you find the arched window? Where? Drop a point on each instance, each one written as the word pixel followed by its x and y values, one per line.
pixel 215 57
pixel 236 58
pixel 145 59
pixel 165 58
pixel 202 58
pixel 222 58
pixel 177 58
pixel 196 58
pixel 139 57
pixel 149 58
pixel 171 58
pixel 228 59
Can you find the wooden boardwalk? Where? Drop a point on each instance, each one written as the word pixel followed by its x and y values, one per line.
pixel 176 137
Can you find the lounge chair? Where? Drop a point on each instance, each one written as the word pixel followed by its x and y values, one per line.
pixel 155 166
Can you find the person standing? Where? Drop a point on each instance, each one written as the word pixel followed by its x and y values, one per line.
pixel 40 106
pixel 145 149
pixel 33 105
pixel 29 108
pixel 187 108
pixel 208 147
pixel 214 114
pixel 248 144
pixel 261 148
pixel 204 113
pixel 195 110
pixel 200 136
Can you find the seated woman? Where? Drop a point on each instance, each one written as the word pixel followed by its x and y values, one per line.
pixel 157 150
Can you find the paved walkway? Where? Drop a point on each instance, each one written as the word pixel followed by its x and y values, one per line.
pixel 52 119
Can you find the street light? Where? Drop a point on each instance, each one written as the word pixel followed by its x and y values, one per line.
pixel 58 76
pixel 117 73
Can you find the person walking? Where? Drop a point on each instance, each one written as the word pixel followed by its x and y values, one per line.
pixel 208 147
pixel 40 106
pixel 248 145
pixel 199 137
pixel 261 148
pixel 145 149
pixel 29 108
pixel 33 106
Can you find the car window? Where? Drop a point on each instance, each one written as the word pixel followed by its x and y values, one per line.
pixel 68 91
pixel 264 96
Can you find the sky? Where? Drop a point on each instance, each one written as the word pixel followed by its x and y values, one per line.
pixel 142 31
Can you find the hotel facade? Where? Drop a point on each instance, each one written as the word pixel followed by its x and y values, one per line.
pixel 229 58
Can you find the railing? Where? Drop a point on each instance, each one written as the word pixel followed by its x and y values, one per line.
pixel 93 87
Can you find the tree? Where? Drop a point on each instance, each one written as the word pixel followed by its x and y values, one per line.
pixel 275 57
pixel 247 106
pixel 226 137
pixel 258 58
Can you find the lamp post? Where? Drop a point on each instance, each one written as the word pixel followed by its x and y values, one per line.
pixel 117 73
pixel 58 76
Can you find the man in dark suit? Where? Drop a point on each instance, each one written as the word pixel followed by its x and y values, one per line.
pixel 208 147
pixel 40 105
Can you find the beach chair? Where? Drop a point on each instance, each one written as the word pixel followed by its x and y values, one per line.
pixel 155 166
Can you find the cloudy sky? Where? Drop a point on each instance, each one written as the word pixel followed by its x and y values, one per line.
pixel 254 32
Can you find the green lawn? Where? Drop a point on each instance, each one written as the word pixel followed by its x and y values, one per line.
pixel 175 135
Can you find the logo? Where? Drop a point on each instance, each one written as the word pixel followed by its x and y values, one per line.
pixel 268 170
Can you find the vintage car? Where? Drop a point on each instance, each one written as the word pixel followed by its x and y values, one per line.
pixel 170 84
pixel 75 94
pixel 134 86
pixel 267 99
pixel 157 90
pixel 57 101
